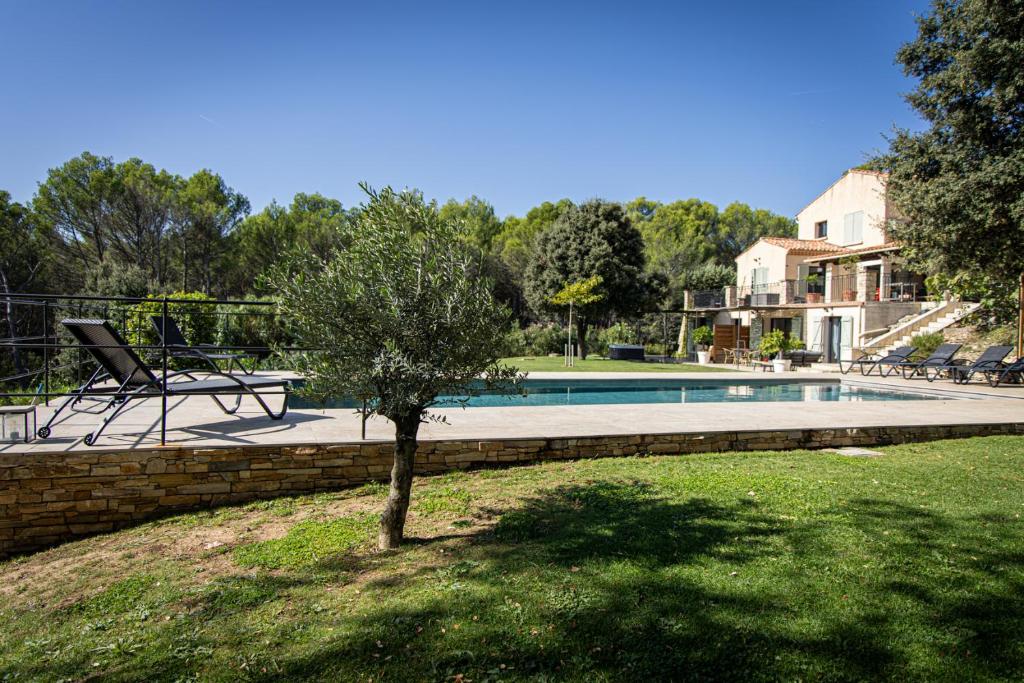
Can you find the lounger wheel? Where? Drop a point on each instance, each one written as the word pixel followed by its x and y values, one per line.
pixel 90 439
pixel 43 432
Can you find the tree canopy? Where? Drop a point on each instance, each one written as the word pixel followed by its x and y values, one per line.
pixel 596 238
pixel 959 184
pixel 404 317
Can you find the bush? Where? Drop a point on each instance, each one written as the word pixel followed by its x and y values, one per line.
pixel 927 343
pixel 544 338
pixel 703 336
pixel 197 322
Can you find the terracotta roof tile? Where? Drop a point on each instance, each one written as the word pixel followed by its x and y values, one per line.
pixel 808 246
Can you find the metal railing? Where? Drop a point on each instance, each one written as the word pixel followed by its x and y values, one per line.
pixel 50 345
pixel 708 298
pixel 843 288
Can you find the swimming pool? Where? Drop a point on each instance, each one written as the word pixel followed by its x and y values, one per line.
pixel 573 392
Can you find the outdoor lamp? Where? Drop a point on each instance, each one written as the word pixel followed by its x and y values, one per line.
pixel 13 427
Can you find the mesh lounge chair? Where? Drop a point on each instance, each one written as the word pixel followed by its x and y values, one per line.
pixel 884 363
pixel 961 370
pixel 1009 372
pixel 126 377
pixel 178 347
pixel 943 355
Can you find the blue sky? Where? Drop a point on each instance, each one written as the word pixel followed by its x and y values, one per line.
pixel 518 102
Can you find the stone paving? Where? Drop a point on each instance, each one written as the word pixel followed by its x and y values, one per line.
pixel 196 421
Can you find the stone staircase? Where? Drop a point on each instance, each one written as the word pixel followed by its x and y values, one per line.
pixel 933 320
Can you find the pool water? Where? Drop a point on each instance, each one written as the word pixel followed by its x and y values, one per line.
pixel 611 392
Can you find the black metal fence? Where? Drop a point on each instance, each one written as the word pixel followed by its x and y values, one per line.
pixel 39 360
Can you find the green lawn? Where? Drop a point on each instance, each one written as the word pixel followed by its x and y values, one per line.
pixel 593 364
pixel 758 566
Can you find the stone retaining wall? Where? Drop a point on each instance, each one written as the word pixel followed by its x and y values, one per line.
pixel 49 498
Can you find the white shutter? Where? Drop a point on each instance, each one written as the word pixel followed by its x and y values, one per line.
pixel 858 227
pixel 846 339
pixel 848 229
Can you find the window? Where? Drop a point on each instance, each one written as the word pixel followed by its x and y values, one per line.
pixel 853 227
pixel 821 229
pixel 759 279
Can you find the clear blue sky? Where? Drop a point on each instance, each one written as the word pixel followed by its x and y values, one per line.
pixel 517 102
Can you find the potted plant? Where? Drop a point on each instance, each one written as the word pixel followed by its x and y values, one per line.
pixel 812 283
pixel 702 337
pixel 774 345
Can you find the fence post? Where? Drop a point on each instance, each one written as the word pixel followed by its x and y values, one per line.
pixel 46 352
pixel 363 433
pixel 163 383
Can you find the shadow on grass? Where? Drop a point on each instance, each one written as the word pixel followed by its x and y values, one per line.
pixel 612 581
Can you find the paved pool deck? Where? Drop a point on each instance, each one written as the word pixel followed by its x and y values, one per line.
pixel 197 423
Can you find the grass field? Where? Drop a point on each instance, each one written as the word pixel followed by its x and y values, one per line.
pixel 757 566
pixel 593 364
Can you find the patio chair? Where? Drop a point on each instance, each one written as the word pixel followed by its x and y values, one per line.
pixel 178 347
pixel 961 370
pixel 1009 372
pixel 125 377
pixel 889 362
pixel 942 355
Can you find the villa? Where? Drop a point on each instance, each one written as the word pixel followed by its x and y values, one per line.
pixel 839 286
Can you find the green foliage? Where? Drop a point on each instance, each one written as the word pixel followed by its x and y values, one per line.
pixel 402 312
pixel 312 224
pixel 959 184
pixel 694 244
pixel 582 293
pixel 619 333
pixel 477 219
pixel 197 322
pixel 703 335
pixel 307 543
pixel 927 342
pixel 775 343
pixel 593 239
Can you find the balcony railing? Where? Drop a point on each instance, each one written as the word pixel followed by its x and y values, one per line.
pixel 900 287
pixel 709 298
pixel 843 288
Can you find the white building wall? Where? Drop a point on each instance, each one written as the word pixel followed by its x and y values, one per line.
pixel 856 191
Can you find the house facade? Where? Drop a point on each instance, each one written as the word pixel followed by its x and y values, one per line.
pixel 838 285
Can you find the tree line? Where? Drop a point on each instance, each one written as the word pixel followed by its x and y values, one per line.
pixel 106 227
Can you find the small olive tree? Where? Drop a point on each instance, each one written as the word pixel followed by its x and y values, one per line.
pixel 402 316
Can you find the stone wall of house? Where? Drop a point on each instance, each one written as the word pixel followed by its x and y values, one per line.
pixel 49 498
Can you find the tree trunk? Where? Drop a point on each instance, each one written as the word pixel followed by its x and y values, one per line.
pixel 392 522
pixel 581 336
pixel 1020 317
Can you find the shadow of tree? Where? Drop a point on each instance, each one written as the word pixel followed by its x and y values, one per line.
pixel 614 581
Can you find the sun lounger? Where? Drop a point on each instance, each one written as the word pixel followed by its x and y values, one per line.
pixel 961 370
pixel 123 377
pixel 884 363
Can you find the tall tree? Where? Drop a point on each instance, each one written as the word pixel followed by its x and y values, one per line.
pixel 75 200
pixel 24 255
pixel 404 317
pixel 481 224
pixel 514 244
pixel 959 184
pixel 141 200
pixel 206 211
pixel 312 224
pixel 593 239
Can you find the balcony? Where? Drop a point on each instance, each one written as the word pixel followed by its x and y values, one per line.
pixel 708 298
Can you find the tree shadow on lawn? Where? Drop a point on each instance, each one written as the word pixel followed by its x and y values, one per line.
pixel 612 581
pixel 621 577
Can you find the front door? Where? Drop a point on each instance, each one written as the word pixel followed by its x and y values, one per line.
pixel 835 340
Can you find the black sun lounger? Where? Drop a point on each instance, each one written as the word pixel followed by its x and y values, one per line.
pixel 961 370
pixel 942 355
pixel 1009 372
pixel 885 363
pixel 126 377
pixel 168 330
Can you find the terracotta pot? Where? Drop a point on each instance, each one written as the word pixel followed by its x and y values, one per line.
pixel 814 298
pixel 849 295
